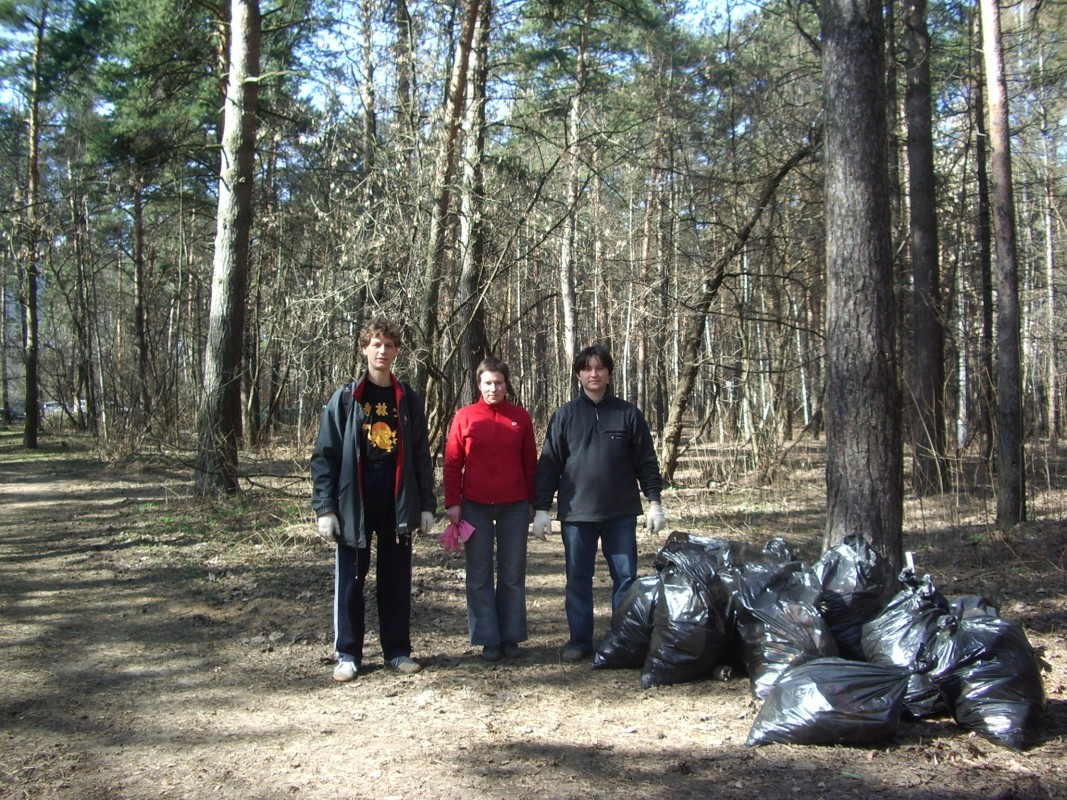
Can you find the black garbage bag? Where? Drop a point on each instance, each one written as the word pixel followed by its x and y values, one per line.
pixel 695 553
pixel 971 605
pixel 705 578
pixel 626 643
pixel 748 571
pixel 856 583
pixel 781 549
pixel 990 677
pixel 689 631
pixel 902 636
pixel 779 633
pixel 747 557
pixel 749 581
pixel 743 568
pixel 832 701
pixel 731 560
pixel 782 626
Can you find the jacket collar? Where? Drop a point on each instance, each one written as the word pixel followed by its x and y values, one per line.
pixel 358 389
pixel 608 396
pixel 494 407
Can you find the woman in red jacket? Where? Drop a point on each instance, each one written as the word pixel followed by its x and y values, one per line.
pixel 490 462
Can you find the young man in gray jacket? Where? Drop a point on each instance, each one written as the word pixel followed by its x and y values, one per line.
pixel 598 452
pixel 371 473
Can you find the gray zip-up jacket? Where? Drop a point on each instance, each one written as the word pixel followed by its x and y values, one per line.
pixel 336 462
pixel 596 455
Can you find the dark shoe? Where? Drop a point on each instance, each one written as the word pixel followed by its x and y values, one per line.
pixel 405 665
pixel 490 653
pixel 512 650
pixel 574 654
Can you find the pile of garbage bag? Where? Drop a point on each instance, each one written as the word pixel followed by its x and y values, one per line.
pixel 839 651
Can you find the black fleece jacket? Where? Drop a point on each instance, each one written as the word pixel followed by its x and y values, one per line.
pixel 596 455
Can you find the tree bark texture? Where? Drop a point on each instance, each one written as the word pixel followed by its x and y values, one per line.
pixel 984 235
pixel 567 292
pixel 404 50
pixel 445 170
pixel 140 307
pixel 219 418
pixel 83 313
pixel 864 475
pixel 474 343
pixel 31 267
pixel 927 383
pixel 1011 481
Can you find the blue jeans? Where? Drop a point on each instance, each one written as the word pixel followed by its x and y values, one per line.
pixel 618 540
pixel 496 613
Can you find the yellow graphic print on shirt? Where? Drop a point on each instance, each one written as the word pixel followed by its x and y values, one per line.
pixel 380 435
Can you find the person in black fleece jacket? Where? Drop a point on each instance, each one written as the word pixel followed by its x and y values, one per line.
pixel 598 457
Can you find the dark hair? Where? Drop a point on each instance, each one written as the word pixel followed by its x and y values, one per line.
pixel 382 328
pixel 597 351
pixel 494 364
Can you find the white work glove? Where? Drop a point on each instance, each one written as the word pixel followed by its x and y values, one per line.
pixel 542 524
pixel 426 523
pixel 329 528
pixel 654 519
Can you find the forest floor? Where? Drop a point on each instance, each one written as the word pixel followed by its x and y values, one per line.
pixel 153 647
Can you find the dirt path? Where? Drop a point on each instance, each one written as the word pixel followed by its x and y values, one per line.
pixel 142 656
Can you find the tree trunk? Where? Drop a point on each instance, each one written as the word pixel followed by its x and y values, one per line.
pixel 651 277
pixel 404 50
pixel 474 343
pixel 219 418
pixel 444 173
pixel 5 385
pixel 251 398
pixel 1011 481
pixel 895 147
pixel 1049 211
pixel 864 475
pixel 1052 382
pixel 927 317
pixel 140 312
pixel 568 295
pixel 32 252
pixel 82 309
pixel 641 314
pixel 984 236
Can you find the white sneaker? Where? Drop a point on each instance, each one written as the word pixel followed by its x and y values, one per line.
pixel 345 671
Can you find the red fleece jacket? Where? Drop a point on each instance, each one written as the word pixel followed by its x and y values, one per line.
pixel 490 456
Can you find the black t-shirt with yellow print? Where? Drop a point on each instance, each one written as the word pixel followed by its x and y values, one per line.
pixel 378 439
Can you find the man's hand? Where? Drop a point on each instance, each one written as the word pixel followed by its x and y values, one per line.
pixel 426 523
pixel 329 528
pixel 452 512
pixel 542 524
pixel 654 519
